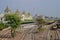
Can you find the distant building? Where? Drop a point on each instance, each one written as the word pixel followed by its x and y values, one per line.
pixel 23 16
pixel 1 17
pixel 7 10
pixel 26 17
pixel 39 16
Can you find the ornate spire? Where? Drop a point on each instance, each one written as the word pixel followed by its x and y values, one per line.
pixel 17 11
pixel 23 12
pixel 7 10
pixel 28 13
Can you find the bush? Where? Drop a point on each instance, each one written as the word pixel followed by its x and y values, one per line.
pixel 1 26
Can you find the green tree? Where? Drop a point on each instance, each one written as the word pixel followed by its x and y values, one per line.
pixel 40 22
pixel 46 17
pixel 51 17
pixel 13 21
pixel 1 26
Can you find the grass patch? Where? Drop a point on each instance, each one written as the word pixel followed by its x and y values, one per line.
pixel 25 21
pixel 28 21
pixel 51 20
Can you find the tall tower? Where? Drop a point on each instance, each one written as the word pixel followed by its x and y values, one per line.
pixel 28 14
pixel 17 12
pixel 7 10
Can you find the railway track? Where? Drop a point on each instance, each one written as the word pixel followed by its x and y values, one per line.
pixel 56 35
pixel 45 35
pixel 25 34
pixel 29 35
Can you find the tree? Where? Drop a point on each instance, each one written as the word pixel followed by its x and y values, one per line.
pixel 51 17
pixel 13 21
pixel 1 25
pixel 40 21
pixel 46 17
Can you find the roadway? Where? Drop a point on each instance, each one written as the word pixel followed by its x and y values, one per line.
pixel 55 35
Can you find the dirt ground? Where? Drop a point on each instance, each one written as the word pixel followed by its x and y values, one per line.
pixel 7 36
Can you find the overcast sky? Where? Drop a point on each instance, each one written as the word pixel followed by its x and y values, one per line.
pixel 44 7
